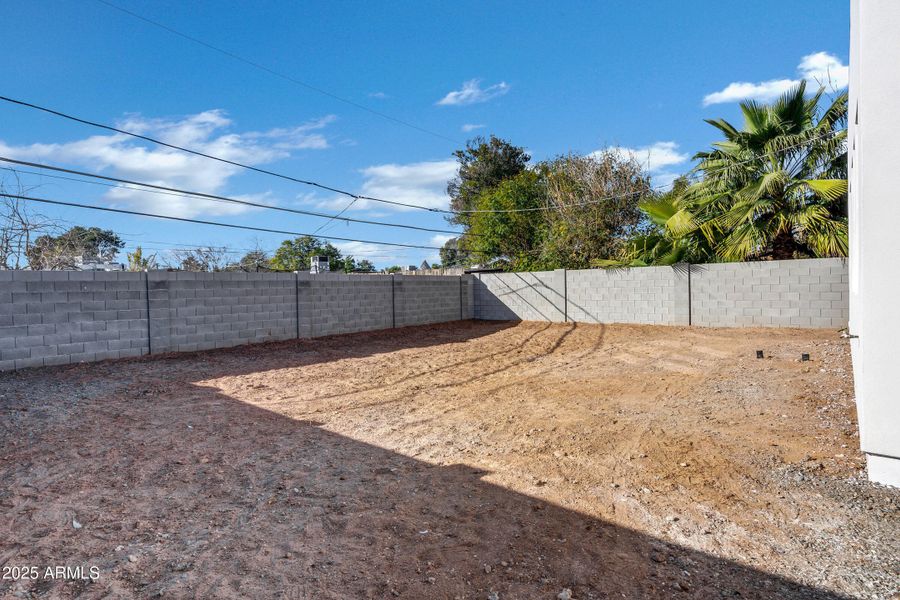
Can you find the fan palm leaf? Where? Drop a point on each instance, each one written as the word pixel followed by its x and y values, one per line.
pixel 774 188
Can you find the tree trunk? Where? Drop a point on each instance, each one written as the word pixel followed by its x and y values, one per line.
pixel 784 245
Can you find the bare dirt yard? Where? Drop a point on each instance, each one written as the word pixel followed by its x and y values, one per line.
pixel 472 460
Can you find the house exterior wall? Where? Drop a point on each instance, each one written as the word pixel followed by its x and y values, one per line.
pixel 874 211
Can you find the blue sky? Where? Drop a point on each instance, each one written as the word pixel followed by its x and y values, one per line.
pixel 571 77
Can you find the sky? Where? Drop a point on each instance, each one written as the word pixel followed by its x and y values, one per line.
pixel 373 98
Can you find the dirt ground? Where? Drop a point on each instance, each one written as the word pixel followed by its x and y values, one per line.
pixel 472 460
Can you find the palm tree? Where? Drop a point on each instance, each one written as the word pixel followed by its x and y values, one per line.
pixel 775 189
pixel 778 187
pixel 671 235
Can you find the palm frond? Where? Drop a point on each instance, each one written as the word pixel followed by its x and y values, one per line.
pixel 742 243
pixel 756 115
pixel 775 187
pixel 725 127
pixel 660 209
pixel 828 238
pixel 830 189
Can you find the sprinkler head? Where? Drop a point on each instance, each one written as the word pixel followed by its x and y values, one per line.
pixel 759 354
pixel 804 357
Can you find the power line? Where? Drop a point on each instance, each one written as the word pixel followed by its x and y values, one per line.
pixel 216 158
pixel 657 188
pixel 169 191
pixel 202 222
pixel 338 216
pixel 234 254
pixel 137 242
pixel 356 197
pixel 164 245
pixel 278 74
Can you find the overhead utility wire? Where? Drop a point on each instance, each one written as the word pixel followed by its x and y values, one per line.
pixel 202 222
pixel 657 188
pixel 360 197
pixel 134 242
pixel 160 244
pixel 170 246
pixel 216 158
pixel 338 216
pixel 271 71
pixel 214 197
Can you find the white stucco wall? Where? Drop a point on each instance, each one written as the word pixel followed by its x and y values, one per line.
pixel 874 131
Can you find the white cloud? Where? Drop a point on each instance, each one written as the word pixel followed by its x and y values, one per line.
pixel 422 183
pixel 825 69
pixel 122 156
pixel 473 93
pixel 296 138
pixel 663 180
pixel 735 92
pixel 379 95
pixel 469 127
pixel 820 68
pixel 366 250
pixel 378 254
pixel 440 239
pixel 657 159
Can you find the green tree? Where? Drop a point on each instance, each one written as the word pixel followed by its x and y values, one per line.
pixel 138 262
pixel 483 164
pixel 450 254
pixel 668 237
pixel 776 188
pixel 512 238
pixel 255 260
pixel 69 248
pixel 564 213
pixel 781 180
pixel 594 202
pixel 365 266
pixel 201 259
pixel 294 255
pixel 349 264
pixel 393 269
pixel 193 264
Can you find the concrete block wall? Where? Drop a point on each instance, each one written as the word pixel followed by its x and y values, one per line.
pixel 468 283
pixel 420 300
pixel 793 293
pixel 60 317
pixel 202 311
pixel 536 296
pixel 784 293
pixel 332 303
pixel 651 295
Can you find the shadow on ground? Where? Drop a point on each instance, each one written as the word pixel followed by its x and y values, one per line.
pixel 190 493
